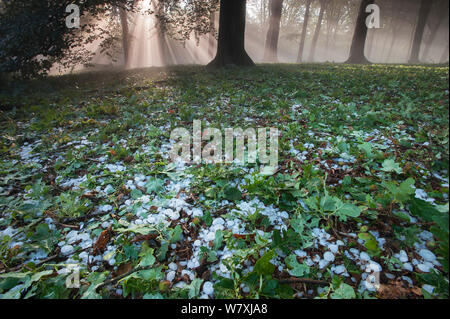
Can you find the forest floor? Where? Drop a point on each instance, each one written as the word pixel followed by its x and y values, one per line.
pixel 361 192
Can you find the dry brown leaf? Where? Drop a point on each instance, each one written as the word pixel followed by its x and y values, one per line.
pixel 102 241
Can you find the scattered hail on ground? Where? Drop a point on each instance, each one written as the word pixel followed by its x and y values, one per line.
pixel 358 207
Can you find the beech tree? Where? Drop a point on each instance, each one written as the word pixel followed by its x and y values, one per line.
pixel 360 35
pixel 304 30
pixel 273 33
pixel 231 42
pixel 425 7
pixel 34 35
pixel 312 52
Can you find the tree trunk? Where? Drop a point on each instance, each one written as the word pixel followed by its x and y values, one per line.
pixel 231 44
pixel 312 52
pixel 393 40
pixel 303 35
pixel 212 37
pixel 424 10
pixel 360 35
pixel 434 31
pixel 444 57
pixel 273 34
pixel 125 36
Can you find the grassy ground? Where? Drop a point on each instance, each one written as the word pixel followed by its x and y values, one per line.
pixel 361 189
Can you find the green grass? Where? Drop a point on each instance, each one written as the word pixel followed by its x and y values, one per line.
pixel 367 132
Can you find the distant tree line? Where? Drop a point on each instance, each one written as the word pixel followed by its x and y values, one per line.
pixel 34 36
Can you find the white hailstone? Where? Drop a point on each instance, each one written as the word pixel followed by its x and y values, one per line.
pixel 328 256
pixel 106 208
pixel 208 288
pixel 112 262
pixel 389 276
pixel 340 269
pixel 223 268
pixel 403 257
pixel 173 215
pixel 333 248
pixel 141 184
pixel 197 212
pixel 408 266
pixel 300 253
pixel 424 267
pixel 171 275
pixel 374 267
pixel 145 199
pixel 427 255
pixel 218 221
pixel 323 263
pixel 193 264
pixel 210 236
pixel 67 249
pixel 428 288
pixel 173 266
pixel 364 256
pixel 109 189
pixel 197 243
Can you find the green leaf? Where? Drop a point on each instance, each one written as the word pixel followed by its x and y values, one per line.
pixel 263 266
pixel 154 185
pixel 194 288
pixel 218 239
pixel 232 193
pixel 390 165
pixel 148 259
pixel 296 269
pixel 349 210
pixel 344 292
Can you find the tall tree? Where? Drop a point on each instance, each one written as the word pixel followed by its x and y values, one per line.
pixel 303 35
pixel 231 43
pixel 212 34
pixel 436 21
pixel 425 7
pixel 312 51
pixel 360 35
pixel 444 56
pixel 125 36
pixel 273 33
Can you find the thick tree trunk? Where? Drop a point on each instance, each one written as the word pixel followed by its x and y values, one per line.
pixel 312 52
pixel 393 40
pixel 273 34
pixel 425 7
pixel 303 35
pixel 212 37
pixel 125 36
pixel 444 57
pixel 434 31
pixel 231 44
pixel 360 35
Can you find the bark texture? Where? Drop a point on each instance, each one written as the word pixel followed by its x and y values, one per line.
pixel 273 33
pixel 303 35
pixel 231 43
pixel 360 35
pixel 425 7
